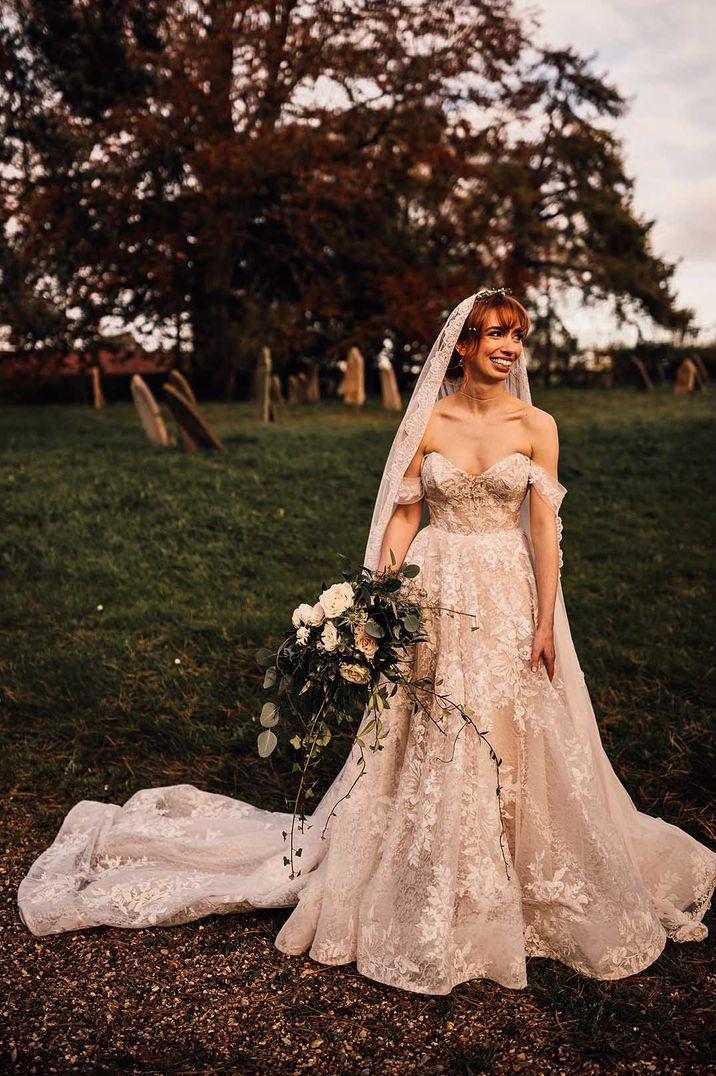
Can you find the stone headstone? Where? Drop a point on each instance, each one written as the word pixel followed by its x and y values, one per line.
pixel 685 380
pixel 275 390
pixel 313 388
pixel 354 380
pixel 302 383
pixel 187 418
pixel 180 383
pixel 389 392
pixel 148 410
pixel 263 385
pixel 293 389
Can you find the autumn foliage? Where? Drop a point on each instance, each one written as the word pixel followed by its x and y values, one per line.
pixel 236 173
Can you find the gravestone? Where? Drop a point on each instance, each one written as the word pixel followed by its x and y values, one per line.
pixel 275 390
pixel 313 388
pixel 180 383
pixel 263 386
pixel 302 386
pixel 685 380
pixel 389 392
pixel 354 380
pixel 389 388
pixel 148 410
pixel 293 389
pixel 187 417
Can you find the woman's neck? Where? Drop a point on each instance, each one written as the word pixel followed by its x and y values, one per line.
pixel 482 398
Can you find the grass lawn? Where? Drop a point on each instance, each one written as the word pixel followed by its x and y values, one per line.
pixel 201 559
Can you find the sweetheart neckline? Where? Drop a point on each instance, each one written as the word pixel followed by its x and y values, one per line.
pixel 472 474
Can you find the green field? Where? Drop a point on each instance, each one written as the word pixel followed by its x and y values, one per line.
pixel 202 558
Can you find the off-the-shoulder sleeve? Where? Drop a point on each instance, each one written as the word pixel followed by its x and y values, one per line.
pixel 409 491
pixel 551 491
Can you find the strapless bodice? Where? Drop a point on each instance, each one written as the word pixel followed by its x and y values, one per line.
pixel 467 503
pixel 461 502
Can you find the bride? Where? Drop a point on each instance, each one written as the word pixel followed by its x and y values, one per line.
pixel 425 878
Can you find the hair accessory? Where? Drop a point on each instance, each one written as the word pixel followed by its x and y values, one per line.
pixel 485 294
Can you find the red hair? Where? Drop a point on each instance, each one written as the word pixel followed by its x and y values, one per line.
pixel 511 314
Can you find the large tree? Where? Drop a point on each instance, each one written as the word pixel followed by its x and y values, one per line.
pixel 302 174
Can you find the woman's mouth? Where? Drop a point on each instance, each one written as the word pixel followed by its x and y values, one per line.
pixel 500 363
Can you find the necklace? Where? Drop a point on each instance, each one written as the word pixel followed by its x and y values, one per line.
pixel 463 393
pixel 480 399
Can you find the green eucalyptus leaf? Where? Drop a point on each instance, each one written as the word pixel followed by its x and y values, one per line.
pixel 373 628
pixel 269 715
pixel 270 677
pixel 265 658
pixel 410 570
pixel 266 741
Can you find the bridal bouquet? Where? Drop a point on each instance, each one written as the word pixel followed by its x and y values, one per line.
pixel 348 655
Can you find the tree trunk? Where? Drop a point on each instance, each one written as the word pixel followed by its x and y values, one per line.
pixel 214 331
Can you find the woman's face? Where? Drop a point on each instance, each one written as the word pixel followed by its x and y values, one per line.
pixel 498 349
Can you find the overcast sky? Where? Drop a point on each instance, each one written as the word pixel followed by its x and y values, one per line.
pixel 660 56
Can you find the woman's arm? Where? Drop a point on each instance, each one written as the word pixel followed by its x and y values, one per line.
pixel 404 522
pixel 543 525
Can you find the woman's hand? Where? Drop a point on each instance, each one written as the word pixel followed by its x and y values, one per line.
pixel 543 648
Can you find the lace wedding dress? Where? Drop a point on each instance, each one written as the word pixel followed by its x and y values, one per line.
pixel 422 878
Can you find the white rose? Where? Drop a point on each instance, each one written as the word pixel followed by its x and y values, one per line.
pixel 366 644
pixel 336 599
pixel 301 614
pixel 302 636
pixel 317 615
pixel 355 674
pixel 329 636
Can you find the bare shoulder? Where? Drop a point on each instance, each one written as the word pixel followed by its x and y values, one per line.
pixel 540 425
pixel 443 410
pixel 542 432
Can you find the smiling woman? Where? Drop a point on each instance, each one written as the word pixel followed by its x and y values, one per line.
pixel 498 317
pixel 430 874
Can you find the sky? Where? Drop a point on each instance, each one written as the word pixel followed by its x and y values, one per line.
pixel 660 56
